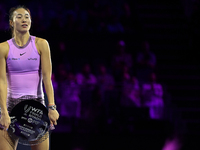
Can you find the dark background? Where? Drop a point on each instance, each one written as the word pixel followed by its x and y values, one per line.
pixel 172 29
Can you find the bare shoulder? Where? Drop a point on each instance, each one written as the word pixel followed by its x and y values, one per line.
pixel 41 44
pixel 4 48
pixel 40 41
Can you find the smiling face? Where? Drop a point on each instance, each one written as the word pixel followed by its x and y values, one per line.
pixel 21 21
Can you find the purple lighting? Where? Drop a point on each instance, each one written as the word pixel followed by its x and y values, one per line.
pixel 125 73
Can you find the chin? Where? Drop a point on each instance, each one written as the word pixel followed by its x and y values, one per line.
pixel 24 31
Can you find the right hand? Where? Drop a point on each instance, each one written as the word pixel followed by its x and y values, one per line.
pixel 5 121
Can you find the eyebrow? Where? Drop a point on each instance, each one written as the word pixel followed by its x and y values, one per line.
pixel 22 15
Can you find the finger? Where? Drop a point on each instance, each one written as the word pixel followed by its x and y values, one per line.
pixel 5 128
pixel 55 122
pixel 1 126
pixel 51 123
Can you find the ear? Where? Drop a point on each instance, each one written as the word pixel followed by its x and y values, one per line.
pixel 11 23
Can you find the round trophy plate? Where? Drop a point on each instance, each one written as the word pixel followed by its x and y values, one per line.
pixel 29 121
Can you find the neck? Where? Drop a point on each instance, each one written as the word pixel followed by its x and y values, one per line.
pixel 21 39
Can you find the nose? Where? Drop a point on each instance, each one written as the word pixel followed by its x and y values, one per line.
pixel 24 19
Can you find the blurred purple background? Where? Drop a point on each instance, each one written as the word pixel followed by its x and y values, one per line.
pixel 125 73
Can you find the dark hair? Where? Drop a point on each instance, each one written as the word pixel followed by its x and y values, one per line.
pixel 11 11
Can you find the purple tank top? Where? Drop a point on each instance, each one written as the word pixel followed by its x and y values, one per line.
pixel 23 70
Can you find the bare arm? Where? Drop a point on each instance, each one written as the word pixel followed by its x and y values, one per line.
pixel 44 50
pixel 5 119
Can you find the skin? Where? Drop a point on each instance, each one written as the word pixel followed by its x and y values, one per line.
pixel 21 36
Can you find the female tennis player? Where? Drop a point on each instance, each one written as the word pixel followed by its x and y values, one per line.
pixel 25 62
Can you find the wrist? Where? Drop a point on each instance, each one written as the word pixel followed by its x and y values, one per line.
pixel 52 107
pixel 51 104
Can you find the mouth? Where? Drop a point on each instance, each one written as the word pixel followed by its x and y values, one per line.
pixel 24 25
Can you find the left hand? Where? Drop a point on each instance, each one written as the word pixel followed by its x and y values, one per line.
pixel 53 116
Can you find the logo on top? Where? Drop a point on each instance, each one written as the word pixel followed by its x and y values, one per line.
pixel 22 53
pixel 28 108
pixel 13 58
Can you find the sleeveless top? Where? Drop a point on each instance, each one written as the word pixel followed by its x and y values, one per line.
pixel 23 70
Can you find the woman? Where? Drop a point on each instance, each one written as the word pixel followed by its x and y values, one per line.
pixel 25 61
